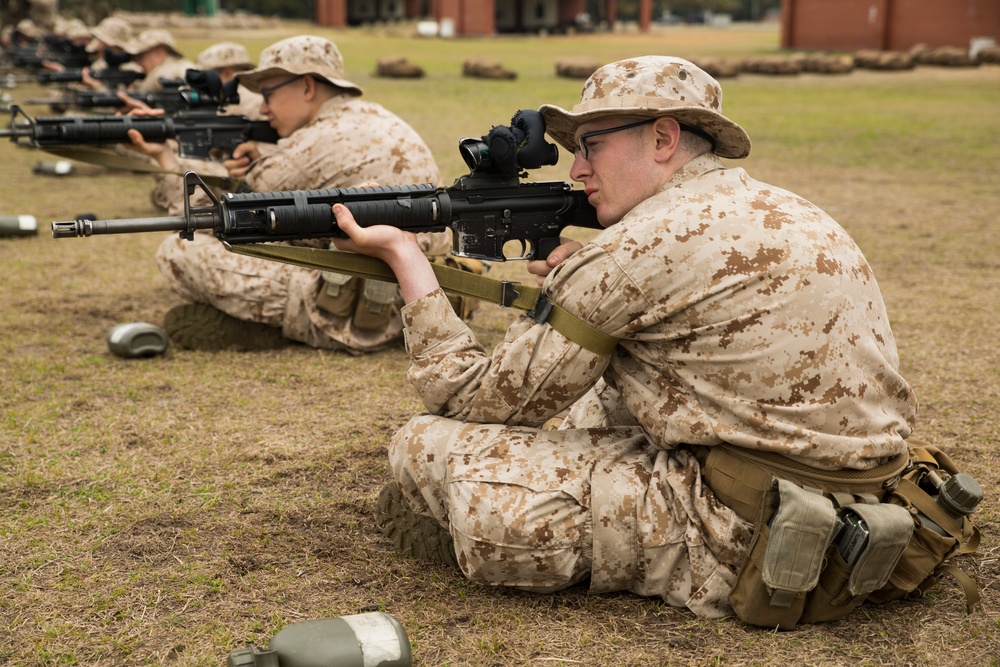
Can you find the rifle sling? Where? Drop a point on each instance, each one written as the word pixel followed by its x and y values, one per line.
pixel 464 283
pixel 111 160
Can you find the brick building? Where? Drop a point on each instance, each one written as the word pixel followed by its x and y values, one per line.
pixel 887 25
pixel 473 17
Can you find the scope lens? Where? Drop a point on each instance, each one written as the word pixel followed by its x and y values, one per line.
pixel 475 153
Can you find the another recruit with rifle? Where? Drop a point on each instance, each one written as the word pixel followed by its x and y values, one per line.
pixel 170 99
pixel 200 131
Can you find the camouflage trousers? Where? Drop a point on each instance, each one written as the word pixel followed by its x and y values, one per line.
pixel 543 510
pixel 273 293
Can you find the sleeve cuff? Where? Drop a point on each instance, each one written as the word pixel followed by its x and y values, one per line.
pixel 429 321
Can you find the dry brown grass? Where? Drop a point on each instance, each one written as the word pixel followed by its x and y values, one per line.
pixel 169 510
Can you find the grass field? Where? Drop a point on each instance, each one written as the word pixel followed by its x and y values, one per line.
pixel 165 511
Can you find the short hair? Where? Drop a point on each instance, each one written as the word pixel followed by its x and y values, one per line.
pixel 695 144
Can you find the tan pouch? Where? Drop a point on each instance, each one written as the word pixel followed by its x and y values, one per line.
pixel 922 562
pixel 337 294
pixel 843 586
pixel 374 309
pixel 785 558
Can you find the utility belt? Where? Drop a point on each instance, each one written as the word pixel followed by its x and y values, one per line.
pixel 826 541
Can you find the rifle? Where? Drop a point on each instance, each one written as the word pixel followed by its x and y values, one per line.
pixel 111 77
pixel 200 134
pixel 486 209
pixel 34 56
pixel 171 99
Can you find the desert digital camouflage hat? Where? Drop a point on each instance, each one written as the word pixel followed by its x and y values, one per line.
pixel 648 87
pixel 113 31
pixel 29 29
pixel 303 54
pixel 74 29
pixel 149 39
pixel 225 54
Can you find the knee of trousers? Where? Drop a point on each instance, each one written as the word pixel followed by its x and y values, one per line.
pixel 419 450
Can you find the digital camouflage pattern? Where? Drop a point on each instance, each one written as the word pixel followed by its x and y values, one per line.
pixel 646 87
pixel 171 68
pixel 747 316
pixel 225 55
pixel 304 54
pixel 542 510
pixel 349 142
pixel 113 31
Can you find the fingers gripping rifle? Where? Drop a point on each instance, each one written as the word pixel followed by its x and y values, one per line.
pixel 492 215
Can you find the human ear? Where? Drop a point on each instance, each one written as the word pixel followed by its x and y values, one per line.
pixel 667 134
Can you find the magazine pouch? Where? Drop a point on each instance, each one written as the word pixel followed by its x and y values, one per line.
pixel 375 305
pixel 338 294
pixel 793 529
pixel 869 541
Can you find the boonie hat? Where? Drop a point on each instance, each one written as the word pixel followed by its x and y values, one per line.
pixel 650 87
pixel 152 38
pixel 113 31
pixel 303 54
pixel 75 29
pixel 225 54
pixel 29 29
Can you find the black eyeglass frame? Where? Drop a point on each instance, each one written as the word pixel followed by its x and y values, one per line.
pixel 581 141
pixel 266 92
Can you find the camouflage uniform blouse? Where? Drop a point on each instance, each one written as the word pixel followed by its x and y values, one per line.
pixel 748 316
pixel 171 68
pixel 349 142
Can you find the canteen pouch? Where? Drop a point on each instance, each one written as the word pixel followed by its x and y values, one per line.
pixel 922 563
pixel 793 529
pixel 337 294
pixel 843 586
pixel 374 309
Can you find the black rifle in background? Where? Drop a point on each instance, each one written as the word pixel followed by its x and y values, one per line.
pixel 492 214
pixel 174 96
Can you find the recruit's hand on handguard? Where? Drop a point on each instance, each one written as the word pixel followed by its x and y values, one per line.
pixel 396 247
pixel 162 152
pixel 134 107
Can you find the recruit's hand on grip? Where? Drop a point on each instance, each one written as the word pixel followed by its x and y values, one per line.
pixel 540 268
pixel 242 160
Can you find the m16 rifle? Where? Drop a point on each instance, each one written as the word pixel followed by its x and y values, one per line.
pixel 492 214
pixel 111 77
pixel 200 133
pixel 195 91
pixel 37 55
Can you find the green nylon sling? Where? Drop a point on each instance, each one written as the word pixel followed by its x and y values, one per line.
pixel 456 281
pixel 111 160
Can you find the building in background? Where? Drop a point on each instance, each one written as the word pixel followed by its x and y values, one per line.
pixel 886 25
pixel 475 17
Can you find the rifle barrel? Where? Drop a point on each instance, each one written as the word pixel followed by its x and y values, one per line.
pixel 175 223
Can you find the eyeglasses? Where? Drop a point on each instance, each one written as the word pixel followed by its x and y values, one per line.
pixel 266 92
pixel 581 141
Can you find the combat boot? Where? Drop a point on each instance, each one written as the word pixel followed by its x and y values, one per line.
pixel 413 534
pixel 198 326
